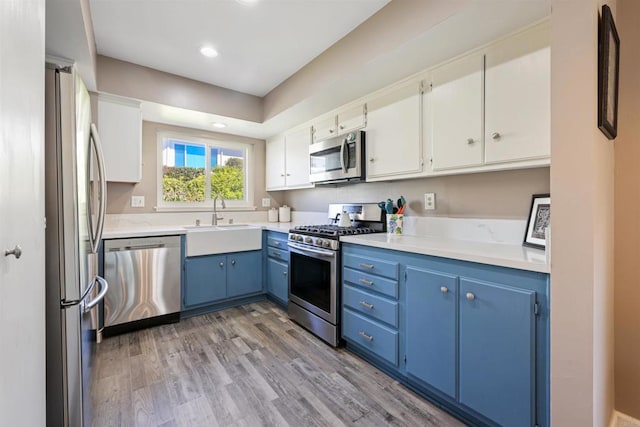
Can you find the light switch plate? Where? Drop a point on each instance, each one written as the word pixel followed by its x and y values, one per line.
pixel 266 202
pixel 137 201
pixel 429 201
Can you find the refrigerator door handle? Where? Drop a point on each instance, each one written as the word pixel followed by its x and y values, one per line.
pixel 96 235
pixel 104 287
pixel 70 303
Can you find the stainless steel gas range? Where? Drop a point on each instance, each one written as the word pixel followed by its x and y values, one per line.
pixel 315 266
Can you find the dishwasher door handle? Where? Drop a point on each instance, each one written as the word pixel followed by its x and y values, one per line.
pixel 138 247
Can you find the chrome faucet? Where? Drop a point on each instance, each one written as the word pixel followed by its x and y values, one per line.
pixel 215 218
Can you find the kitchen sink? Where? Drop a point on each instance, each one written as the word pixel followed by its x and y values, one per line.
pixel 223 238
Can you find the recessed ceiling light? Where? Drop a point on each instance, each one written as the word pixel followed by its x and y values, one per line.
pixel 219 125
pixel 208 51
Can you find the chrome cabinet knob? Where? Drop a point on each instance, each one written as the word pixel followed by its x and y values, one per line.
pixel 341 127
pixel 444 289
pixel 331 131
pixel 470 296
pixel 496 135
pixel 233 262
pixel 372 159
pixel 284 273
pixel 221 264
pixel 470 141
pixel 16 252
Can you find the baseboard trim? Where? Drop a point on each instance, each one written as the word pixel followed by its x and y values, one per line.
pixel 618 419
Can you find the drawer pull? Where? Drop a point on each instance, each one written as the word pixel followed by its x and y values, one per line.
pixel 365 336
pixel 444 289
pixel 369 266
pixel 470 296
pixel 366 305
pixel 366 282
pixel 276 243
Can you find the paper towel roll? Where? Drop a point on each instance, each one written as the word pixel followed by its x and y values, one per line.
pixel 285 214
pixel 273 215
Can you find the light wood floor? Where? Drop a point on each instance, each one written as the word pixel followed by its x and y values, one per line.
pixel 245 366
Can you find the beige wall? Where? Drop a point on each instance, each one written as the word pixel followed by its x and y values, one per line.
pixel 582 390
pixel 390 27
pixel 505 194
pixel 627 214
pixel 119 194
pixel 134 81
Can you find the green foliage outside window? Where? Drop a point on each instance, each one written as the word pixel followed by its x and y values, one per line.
pixel 182 184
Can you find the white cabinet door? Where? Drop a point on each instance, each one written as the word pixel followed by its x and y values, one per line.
pixel 393 143
pixel 297 158
pixel 517 104
pixel 120 129
pixel 324 128
pixel 351 119
pixel 456 114
pixel 274 159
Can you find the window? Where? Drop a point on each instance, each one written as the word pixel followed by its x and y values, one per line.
pixel 193 170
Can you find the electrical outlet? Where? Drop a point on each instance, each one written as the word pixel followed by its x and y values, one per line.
pixel 266 202
pixel 429 201
pixel 137 201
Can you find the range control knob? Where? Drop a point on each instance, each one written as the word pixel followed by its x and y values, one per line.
pixel 319 242
pixel 292 237
pixel 326 243
pixel 308 239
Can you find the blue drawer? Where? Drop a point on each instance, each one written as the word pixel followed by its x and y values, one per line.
pixel 371 335
pixel 370 282
pixel 277 243
pixel 379 308
pixel 371 265
pixel 278 254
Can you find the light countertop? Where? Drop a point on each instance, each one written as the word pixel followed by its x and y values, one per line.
pixel 168 230
pixel 500 254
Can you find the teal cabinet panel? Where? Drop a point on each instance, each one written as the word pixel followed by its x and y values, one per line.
pixel 371 265
pixel 431 318
pixel 279 254
pixel 377 307
pixel 277 279
pixel 205 279
pixel 370 282
pixel 379 340
pixel 497 351
pixel 244 273
pixel 277 240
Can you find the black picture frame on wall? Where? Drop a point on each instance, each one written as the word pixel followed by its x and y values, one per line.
pixel 539 220
pixel 608 74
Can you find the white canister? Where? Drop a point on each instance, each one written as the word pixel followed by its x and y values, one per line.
pixel 285 214
pixel 273 215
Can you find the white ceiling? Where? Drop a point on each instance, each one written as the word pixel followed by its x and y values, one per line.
pixel 259 45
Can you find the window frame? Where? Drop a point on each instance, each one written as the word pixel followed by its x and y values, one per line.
pixel 209 142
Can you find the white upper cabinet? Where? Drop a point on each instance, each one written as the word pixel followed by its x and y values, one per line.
pixel 517 98
pixel 393 143
pixel 454 114
pixel 287 159
pixel 351 119
pixel 120 129
pixel 324 128
pixel 275 170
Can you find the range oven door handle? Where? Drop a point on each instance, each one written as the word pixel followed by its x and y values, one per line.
pixel 321 252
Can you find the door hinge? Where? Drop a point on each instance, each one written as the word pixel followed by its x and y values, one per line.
pixel 536 309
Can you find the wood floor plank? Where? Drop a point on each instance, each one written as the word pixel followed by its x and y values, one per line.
pixel 245 366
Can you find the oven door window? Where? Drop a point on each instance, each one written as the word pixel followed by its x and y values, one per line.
pixel 311 280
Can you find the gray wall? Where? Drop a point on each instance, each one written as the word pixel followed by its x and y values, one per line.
pixel 505 194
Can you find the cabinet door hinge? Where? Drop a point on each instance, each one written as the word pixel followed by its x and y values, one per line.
pixel 536 309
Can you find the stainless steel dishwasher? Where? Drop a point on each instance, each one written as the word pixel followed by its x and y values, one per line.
pixel 144 282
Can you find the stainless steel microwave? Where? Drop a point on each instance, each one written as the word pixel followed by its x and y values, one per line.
pixel 339 159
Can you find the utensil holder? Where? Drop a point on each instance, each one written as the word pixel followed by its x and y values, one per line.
pixel 395 223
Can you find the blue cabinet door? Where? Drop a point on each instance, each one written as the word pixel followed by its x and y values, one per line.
pixel 278 280
pixel 205 279
pixel 244 273
pixel 497 352
pixel 431 328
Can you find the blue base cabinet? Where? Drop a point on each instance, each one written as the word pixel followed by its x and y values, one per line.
pixel 472 337
pixel 277 267
pixel 212 279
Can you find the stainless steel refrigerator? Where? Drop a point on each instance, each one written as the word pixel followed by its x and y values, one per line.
pixel 75 207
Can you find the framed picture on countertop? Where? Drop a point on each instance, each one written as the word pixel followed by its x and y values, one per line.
pixel 539 220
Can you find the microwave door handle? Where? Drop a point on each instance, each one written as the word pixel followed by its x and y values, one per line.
pixel 342 161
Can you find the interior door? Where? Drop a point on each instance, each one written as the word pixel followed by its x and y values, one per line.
pixel 22 315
